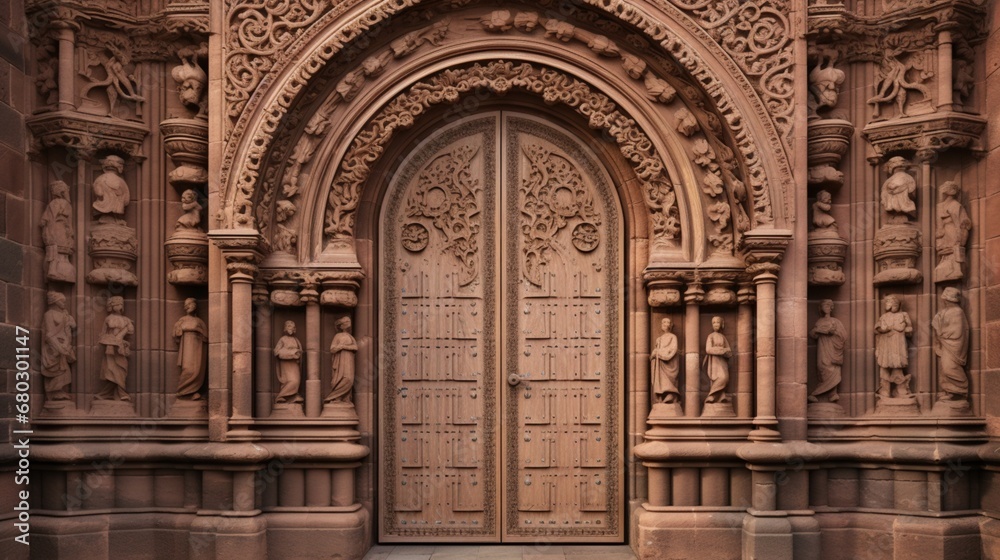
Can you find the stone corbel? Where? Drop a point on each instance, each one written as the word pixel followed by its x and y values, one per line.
pixel 927 135
pixel 88 135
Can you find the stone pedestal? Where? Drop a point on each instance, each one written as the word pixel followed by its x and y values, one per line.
pixel 829 140
pixel 827 253
pixel 951 408
pixel 897 406
pixel 187 251
pixel 897 247
pixel 114 250
pixel 59 408
pixel 183 408
pixel 825 410
pixel 118 409
pixel 340 411
pixel 718 410
pixel 287 410
pixel 186 142
pixel 665 411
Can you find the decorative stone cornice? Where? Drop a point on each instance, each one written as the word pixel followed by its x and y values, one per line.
pixel 926 135
pixel 87 134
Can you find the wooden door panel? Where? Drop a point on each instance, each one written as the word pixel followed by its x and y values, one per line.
pixel 439 415
pixel 562 294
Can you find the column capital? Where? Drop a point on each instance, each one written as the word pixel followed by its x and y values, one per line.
pixel 242 251
pixel 694 294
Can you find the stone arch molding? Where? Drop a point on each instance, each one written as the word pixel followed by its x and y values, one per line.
pixel 736 185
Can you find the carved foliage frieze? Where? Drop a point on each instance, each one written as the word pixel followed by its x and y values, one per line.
pixel 501 77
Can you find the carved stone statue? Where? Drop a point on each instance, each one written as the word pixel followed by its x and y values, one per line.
pixel 716 362
pixel 191 219
pixel 831 337
pixel 191 81
pixel 111 192
pixel 114 364
pixel 891 333
pixel 953 227
pixel 57 348
pixel 663 365
pixel 822 218
pixel 57 234
pixel 825 80
pixel 898 190
pixel 343 347
pixel 951 345
pixel 191 334
pixel 288 351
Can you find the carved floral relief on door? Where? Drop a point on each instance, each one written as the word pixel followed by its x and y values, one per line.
pixel 500 426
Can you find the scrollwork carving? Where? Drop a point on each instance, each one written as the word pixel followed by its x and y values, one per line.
pixel 552 192
pixel 447 194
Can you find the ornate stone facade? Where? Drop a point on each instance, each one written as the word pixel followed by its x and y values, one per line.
pixel 713 279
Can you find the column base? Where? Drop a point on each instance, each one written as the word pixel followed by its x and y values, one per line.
pixel 768 535
pixel 705 535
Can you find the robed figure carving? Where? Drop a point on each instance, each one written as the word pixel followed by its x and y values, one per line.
pixel 891 333
pixel 663 365
pixel 57 234
pixel 717 354
pixel 114 364
pixel 343 348
pixel 898 190
pixel 190 333
pixel 951 345
pixel 288 351
pixel 57 351
pixel 831 337
pixel 111 192
pixel 953 227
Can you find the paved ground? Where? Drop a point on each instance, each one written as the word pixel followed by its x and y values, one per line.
pixel 500 552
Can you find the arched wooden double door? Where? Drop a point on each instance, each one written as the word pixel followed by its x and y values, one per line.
pixel 500 336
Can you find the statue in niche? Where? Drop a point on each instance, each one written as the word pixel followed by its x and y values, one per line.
pixel 191 219
pixel 288 351
pixel 57 234
pixel 111 192
pixel 891 333
pixel 114 363
pixel 953 227
pixel 822 218
pixel 118 82
pixel 663 365
pixel 951 345
pixel 57 348
pixel 343 347
pixel 191 334
pixel 825 80
pixel 831 337
pixel 191 80
pixel 897 191
pixel 716 362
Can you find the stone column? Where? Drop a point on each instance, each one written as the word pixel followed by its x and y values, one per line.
pixel 241 251
pixel 765 422
pixel 693 297
pixel 263 352
pixel 310 297
pixel 66 37
pixel 744 379
pixel 945 57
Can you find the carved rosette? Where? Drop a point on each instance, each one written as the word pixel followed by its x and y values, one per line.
pixel 827 253
pixel 829 140
pixel 897 248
